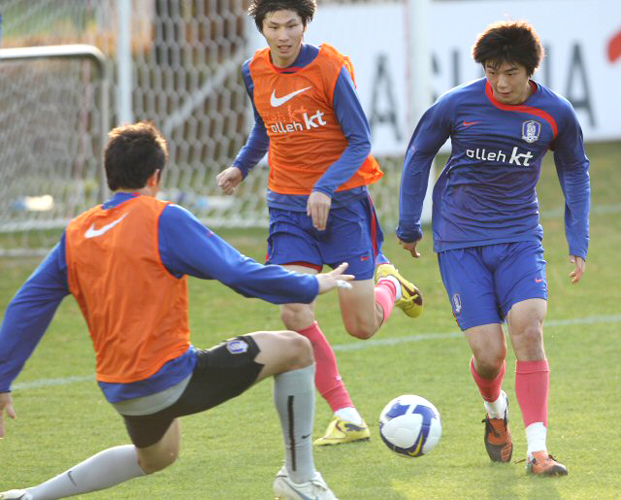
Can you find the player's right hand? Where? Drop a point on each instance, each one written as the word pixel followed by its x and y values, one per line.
pixel 410 247
pixel 6 403
pixel 229 179
pixel 333 279
pixel 579 268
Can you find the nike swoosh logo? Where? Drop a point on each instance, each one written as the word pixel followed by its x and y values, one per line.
pixel 538 280
pixel 279 101
pixel 467 124
pixel 91 232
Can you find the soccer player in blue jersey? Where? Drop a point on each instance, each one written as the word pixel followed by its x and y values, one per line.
pixel 125 262
pixel 486 227
pixel 310 121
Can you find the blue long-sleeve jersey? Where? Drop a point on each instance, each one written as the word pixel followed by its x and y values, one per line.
pixel 353 123
pixel 486 193
pixel 186 247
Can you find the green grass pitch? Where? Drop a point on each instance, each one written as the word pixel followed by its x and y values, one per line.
pixel 234 451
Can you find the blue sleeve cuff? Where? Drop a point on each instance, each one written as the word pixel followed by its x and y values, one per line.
pixel 327 191
pixel 409 236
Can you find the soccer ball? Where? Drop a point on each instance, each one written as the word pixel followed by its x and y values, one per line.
pixel 410 426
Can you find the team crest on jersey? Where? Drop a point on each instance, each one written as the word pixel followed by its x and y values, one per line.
pixel 531 130
pixel 237 346
pixel 457 303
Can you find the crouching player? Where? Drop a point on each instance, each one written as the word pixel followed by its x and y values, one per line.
pixel 125 262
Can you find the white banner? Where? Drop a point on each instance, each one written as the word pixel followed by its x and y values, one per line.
pixel 583 61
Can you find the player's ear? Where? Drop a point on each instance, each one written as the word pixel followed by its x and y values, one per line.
pixel 154 178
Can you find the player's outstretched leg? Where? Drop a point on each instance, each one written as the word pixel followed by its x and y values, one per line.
pixel 103 470
pixel 15 495
pixel 347 425
pixel 411 300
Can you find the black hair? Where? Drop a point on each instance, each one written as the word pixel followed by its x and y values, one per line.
pixel 509 41
pixel 133 154
pixel 258 9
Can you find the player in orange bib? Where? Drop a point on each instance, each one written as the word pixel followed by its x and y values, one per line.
pixel 309 121
pixel 126 262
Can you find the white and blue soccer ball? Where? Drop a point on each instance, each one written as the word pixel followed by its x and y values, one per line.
pixel 410 426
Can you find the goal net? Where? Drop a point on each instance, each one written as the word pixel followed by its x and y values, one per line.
pixel 185 78
pixel 50 144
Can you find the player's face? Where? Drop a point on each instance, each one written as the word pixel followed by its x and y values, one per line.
pixel 509 81
pixel 284 32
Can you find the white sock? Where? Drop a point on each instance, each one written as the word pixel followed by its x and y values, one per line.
pixel 103 470
pixel 498 407
pixel 395 282
pixel 294 397
pixel 536 434
pixel 350 414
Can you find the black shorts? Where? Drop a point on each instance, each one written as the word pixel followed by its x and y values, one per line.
pixel 221 373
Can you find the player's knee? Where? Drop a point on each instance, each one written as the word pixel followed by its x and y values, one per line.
pixel 489 364
pixel 532 335
pixel 360 327
pixel 296 351
pixel 362 332
pixel 296 316
pixel 161 461
pixel 299 349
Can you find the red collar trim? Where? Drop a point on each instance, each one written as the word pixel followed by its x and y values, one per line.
pixel 520 108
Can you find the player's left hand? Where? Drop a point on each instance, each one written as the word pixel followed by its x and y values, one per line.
pixel 318 208
pixel 410 247
pixel 6 403
pixel 334 279
pixel 579 268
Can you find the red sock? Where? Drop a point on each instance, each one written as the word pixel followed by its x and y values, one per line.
pixel 327 378
pixel 385 295
pixel 532 381
pixel 489 389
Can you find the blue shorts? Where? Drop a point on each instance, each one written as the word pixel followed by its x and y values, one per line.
pixel 352 235
pixel 484 282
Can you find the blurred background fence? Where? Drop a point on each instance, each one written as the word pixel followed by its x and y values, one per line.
pixel 177 63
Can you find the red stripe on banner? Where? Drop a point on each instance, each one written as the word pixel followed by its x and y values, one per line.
pixel 614 48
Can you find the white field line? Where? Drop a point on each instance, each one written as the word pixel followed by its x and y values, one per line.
pixel 355 346
pixel 591 320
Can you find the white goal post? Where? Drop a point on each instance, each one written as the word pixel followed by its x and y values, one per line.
pixel 55 120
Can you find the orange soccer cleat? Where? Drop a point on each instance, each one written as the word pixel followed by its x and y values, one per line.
pixel 541 463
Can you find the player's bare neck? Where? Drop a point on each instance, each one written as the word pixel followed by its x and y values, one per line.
pixel 528 92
